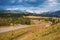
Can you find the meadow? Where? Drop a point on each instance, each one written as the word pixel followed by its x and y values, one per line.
pixel 36 32
pixel 33 33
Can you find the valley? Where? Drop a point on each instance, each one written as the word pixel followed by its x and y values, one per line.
pixel 27 27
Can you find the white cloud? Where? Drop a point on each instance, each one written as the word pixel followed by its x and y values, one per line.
pixel 16 8
pixel 12 9
pixel 29 11
pixel 50 3
pixel 37 11
pixel 41 11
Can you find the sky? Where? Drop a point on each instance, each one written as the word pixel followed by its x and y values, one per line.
pixel 37 6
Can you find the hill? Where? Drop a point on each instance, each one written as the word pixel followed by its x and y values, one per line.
pixel 51 14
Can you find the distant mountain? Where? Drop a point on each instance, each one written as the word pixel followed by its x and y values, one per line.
pixel 10 11
pixel 46 14
pixel 3 11
pixel 56 13
pixel 51 14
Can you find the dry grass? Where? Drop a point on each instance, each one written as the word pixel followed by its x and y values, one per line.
pixel 34 33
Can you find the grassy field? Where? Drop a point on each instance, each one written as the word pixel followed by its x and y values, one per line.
pixel 12 34
pixel 51 33
pixel 33 33
pixel 38 32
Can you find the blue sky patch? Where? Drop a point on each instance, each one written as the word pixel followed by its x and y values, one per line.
pixel 29 4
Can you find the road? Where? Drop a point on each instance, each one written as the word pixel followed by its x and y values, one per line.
pixel 36 22
pixel 6 29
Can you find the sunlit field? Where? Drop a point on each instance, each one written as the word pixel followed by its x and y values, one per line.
pixel 35 32
pixel 29 19
pixel 40 28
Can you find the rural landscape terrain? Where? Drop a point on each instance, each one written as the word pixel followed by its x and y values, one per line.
pixel 29 26
pixel 29 19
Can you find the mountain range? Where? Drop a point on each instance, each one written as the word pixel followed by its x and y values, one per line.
pixel 48 14
pixel 51 13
